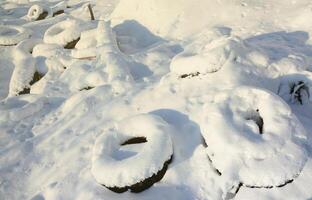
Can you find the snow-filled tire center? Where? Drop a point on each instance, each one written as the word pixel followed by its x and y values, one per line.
pixel 155 99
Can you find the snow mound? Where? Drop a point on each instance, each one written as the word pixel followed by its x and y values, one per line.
pixel 150 158
pixel 63 32
pixel 253 137
pixel 11 35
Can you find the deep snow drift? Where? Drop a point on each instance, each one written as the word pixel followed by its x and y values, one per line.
pixel 155 99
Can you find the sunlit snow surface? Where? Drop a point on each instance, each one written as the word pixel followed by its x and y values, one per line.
pixel 223 86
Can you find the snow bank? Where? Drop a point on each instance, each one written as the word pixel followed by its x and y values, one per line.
pixel 252 136
pixel 147 162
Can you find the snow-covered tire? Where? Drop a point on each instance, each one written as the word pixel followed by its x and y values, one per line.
pixel 296 88
pixel 252 135
pixel 63 33
pixel 204 55
pixel 142 170
pixel 37 12
pixel 11 35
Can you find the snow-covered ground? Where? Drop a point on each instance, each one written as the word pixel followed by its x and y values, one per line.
pixel 155 99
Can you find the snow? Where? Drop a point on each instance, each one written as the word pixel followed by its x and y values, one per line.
pixel 223 87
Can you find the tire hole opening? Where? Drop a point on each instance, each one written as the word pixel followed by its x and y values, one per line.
pixel 135 140
pixel 58 13
pixel 71 44
pixel 42 16
pixel 86 88
pixel 189 75
pixel 254 115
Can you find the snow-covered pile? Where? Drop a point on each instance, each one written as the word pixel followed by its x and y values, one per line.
pixel 155 99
